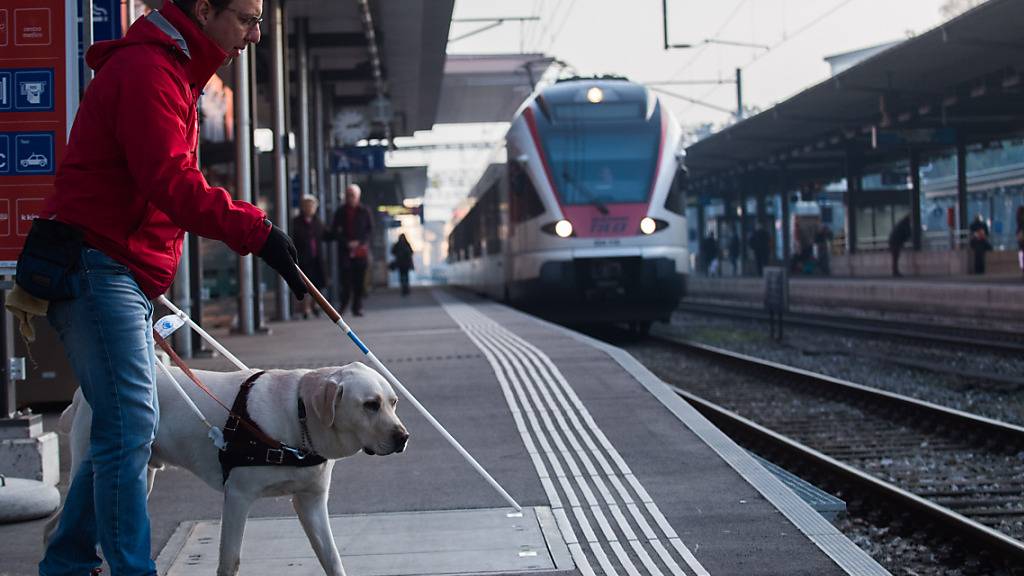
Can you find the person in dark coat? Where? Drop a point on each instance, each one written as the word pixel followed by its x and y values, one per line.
pixel 1020 238
pixel 760 245
pixel 734 253
pixel 897 238
pixel 352 226
pixel 823 247
pixel 979 243
pixel 402 253
pixel 308 234
pixel 709 253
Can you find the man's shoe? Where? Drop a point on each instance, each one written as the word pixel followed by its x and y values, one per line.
pixel 357 313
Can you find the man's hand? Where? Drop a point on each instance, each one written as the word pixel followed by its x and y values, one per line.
pixel 279 253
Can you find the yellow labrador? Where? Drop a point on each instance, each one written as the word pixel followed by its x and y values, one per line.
pixel 351 408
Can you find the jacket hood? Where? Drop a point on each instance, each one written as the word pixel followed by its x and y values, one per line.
pixel 168 27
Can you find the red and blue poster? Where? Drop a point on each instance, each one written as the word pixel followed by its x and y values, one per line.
pixel 33 113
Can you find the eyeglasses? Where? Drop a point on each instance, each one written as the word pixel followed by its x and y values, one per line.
pixel 249 22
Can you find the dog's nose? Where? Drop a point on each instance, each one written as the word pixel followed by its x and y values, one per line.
pixel 401 437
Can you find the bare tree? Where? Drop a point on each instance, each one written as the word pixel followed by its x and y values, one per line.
pixel 951 8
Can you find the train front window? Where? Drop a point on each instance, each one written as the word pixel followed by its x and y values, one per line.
pixel 606 166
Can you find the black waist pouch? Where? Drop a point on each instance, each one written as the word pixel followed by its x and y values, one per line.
pixel 47 265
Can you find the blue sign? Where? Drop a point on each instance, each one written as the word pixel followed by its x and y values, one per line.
pixel 33 153
pixel 6 90
pixel 357 159
pixel 5 154
pixel 33 90
pixel 106 25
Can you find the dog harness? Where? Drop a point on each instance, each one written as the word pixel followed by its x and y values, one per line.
pixel 248 445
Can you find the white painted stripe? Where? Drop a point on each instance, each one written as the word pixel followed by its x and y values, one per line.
pixel 616 457
pixel 624 560
pixel 623 523
pixel 666 557
pixel 533 375
pixel 645 527
pixel 582 564
pixel 645 558
pixel 581 518
pixel 495 355
pixel 565 526
pixel 580 559
pixel 691 560
pixel 602 522
pixel 652 508
pixel 549 489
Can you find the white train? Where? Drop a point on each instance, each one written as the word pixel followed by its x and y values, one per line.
pixel 581 218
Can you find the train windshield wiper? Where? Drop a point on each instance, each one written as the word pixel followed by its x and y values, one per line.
pixel 593 200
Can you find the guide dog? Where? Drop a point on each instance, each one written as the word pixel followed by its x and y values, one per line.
pixel 350 408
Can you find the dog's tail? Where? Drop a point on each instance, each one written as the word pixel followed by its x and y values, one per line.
pixel 68 415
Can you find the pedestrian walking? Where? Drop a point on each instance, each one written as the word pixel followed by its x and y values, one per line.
pixel 734 252
pixel 979 243
pixel 1020 238
pixel 402 254
pixel 352 226
pixel 823 249
pixel 897 238
pixel 128 188
pixel 760 245
pixel 308 234
pixel 709 253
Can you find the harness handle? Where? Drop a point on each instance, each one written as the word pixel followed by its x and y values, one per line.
pixel 252 427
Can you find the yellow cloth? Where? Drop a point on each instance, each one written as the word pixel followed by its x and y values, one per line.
pixel 25 307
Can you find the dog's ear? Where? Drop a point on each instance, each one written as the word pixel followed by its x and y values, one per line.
pixel 324 391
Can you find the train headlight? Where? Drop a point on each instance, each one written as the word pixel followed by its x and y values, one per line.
pixel 648 225
pixel 595 95
pixel 563 228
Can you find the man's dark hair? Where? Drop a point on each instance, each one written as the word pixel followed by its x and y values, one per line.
pixel 189 6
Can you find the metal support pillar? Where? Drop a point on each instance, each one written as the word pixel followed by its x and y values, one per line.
pixel 8 404
pixel 183 298
pixel 915 198
pixel 739 94
pixel 787 230
pixel 259 318
pixel 131 18
pixel 302 58
pixel 961 184
pixel 87 40
pixel 853 174
pixel 320 166
pixel 243 184
pixel 278 77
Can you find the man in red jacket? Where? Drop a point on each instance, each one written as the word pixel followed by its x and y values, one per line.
pixel 130 183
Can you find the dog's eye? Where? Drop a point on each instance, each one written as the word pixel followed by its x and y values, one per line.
pixel 372 405
pixel 394 402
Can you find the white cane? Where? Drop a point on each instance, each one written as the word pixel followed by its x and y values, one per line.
pixel 338 321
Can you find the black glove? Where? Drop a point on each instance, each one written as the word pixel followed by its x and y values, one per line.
pixel 279 253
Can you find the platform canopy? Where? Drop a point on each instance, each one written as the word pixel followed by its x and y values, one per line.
pixel 410 37
pixel 960 80
pixel 488 87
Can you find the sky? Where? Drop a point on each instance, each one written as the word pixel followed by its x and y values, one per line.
pixel 624 37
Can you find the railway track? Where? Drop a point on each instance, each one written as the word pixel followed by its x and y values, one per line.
pixel 998 341
pixel 950 472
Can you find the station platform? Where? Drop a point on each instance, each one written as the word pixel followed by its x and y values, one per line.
pixel 616 474
pixel 992 301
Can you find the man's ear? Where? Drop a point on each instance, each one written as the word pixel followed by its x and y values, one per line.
pixel 203 12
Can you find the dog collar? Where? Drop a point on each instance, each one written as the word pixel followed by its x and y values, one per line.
pixel 248 445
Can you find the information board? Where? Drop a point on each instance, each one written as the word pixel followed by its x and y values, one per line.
pixel 33 113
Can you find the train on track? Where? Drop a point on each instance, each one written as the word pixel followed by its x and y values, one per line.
pixel 580 216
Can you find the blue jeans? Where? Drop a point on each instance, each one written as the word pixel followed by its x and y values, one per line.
pixel 107 335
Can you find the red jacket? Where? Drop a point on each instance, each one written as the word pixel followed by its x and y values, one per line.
pixel 129 179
